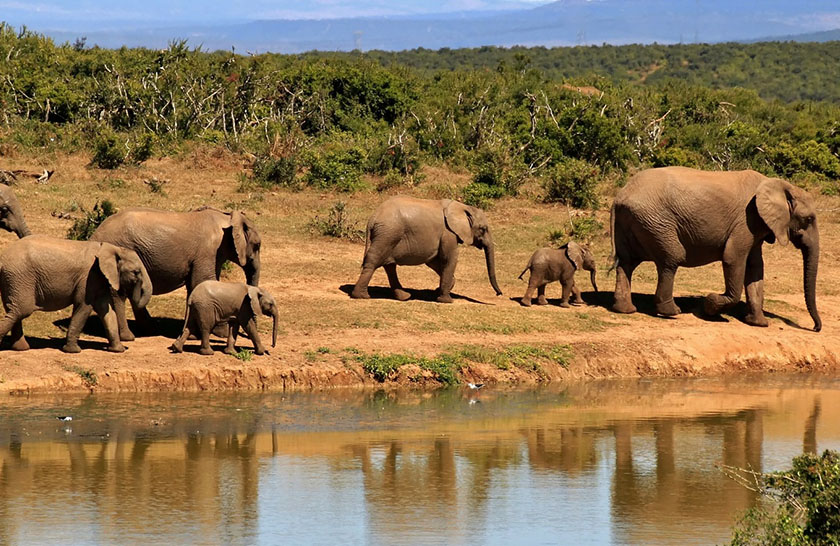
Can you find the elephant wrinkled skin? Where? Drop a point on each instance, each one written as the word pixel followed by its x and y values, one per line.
pixel 551 264
pixel 40 273
pixel 182 248
pixel 680 217
pixel 233 303
pixel 11 215
pixel 409 231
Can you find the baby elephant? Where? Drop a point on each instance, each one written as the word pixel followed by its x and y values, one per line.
pixel 550 264
pixel 212 303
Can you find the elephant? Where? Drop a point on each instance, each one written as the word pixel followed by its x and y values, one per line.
pixel 39 273
pixel 181 248
pixel 233 303
pixel 11 214
pixel 410 231
pixel 676 216
pixel 551 264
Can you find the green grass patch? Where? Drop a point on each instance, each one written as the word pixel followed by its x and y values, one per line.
pixel 88 376
pixel 245 355
pixel 445 367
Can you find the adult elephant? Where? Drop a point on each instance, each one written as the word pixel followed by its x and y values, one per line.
pixel 182 248
pixel 409 231
pixel 676 216
pixel 48 274
pixel 11 215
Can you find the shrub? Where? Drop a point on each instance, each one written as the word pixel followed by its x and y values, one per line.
pixel 108 153
pixel 339 170
pixel 269 171
pixel 807 503
pixel 337 224
pixel 573 182
pixel 83 228
pixel 582 228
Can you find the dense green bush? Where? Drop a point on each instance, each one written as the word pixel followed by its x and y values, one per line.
pixel 83 227
pixel 574 183
pixel 275 171
pixel 339 170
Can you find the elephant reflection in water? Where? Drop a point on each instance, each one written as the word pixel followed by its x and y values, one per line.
pixel 572 451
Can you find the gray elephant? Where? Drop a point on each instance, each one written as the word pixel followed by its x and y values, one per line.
pixel 182 248
pixel 40 273
pixel 11 215
pixel 551 264
pixel 676 216
pixel 232 303
pixel 409 231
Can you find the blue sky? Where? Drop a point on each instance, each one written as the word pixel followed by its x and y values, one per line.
pixel 39 12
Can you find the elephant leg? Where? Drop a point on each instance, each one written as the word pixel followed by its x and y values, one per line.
pixel 16 336
pixel 109 320
pixel 733 274
pixel 360 290
pixel 122 321
pixel 233 331
pixel 754 284
pixel 567 292
pixel 446 270
pixel 664 297
pixel 81 312
pixel 529 292
pixel 144 319
pixel 178 345
pixel 541 295
pixel 577 297
pixel 394 281
pixel 623 277
pixel 254 334
pixel 205 348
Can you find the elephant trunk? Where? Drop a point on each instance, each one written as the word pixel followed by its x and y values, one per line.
pixel 276 316
pixel 143 290
pixel 810 262
pixel 490 258
pixel 252 272
pixel 592 275
pixel 21 229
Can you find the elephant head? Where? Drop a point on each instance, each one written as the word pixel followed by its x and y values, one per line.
pixel 263 303
pixel 246 243
pixel 469 224
pixel 125 273
pixel 581 257
pixel 11 215
pixel 789 213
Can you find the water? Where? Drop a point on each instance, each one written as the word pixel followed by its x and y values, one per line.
pixel 626 462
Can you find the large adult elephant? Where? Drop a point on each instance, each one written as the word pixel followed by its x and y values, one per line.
pixel 11 215
pixel 676 216
pixel 182 248
pixel 48 274
pixel 409 231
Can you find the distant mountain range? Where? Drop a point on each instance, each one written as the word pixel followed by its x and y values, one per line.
pixel 566 22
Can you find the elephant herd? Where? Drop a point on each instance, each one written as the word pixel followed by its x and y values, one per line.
pixel 674 217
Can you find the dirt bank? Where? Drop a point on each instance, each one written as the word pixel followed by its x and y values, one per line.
pixel 324 333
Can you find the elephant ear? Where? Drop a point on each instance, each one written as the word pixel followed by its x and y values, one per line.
pixel 254 297
pixel 240 243
pixel 106 258
pixel 575 254
pixel 459 220
pixel 773 201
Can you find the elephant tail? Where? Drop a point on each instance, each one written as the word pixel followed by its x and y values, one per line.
pixel 527 267
pixel 613 256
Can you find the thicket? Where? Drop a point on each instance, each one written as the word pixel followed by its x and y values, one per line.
pixel 339 121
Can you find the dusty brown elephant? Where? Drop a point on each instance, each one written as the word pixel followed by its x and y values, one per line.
pixel 233 303
pixel 551 264
pixel 680 217
pixel 11 214
pixel 409 231
pixel 182 248
pixel 40 273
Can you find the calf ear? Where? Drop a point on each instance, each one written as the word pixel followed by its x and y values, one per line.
pixel 575 254
pixel 773 200
pixel 240 243
pixel 458 218
pixel 106 258
pixel 254 297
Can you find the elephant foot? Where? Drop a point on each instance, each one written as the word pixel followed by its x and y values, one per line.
pixel 229 350
pixel 713 304
pixel 756 320
pixel 444 298
pixel 206 351
pixel 624 307
pixel 71 348
pixel 260 352
pixel 116 348
pixel 401 294
pixel 20 345
pixel 542 301
pixel 525 302
pixel 564 305
pixel 176 348
pixel 126 336
pixel 667 309
pixel 360 294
